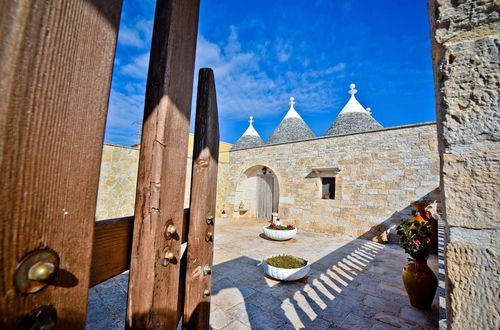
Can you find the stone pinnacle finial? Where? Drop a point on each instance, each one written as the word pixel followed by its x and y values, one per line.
pixel 353 90
pixel 250 120
pixel 292 101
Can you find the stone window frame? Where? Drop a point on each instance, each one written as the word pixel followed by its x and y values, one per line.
pixel 328 172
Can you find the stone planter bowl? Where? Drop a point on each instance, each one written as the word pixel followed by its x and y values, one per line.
pixel 283 274
pixel 279 235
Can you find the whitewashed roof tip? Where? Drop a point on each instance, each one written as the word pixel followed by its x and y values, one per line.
pixel 292 113
pixel 353 105
pixel 251 130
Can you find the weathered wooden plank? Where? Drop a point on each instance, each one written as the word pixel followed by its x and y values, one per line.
pixel 202 205
pixel 56 61
pixel 154 288
pixel 112 246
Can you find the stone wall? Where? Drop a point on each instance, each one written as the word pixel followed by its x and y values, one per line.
pixel 117 182
pixel 118 179
pixel 465 36
pixel 381 173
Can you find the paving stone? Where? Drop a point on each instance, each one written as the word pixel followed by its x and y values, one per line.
pixel 219 319
pixel 353 321
pixel 390 320
pixel 381 304
pixel 236 325
pixel 417 316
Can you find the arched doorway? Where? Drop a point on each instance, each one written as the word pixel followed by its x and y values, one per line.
pixel 258 192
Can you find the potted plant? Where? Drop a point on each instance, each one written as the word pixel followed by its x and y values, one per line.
pixel 285 267
pixel 279 232
pixel 419 280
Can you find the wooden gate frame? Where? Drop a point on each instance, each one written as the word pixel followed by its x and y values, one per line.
pixel 56 61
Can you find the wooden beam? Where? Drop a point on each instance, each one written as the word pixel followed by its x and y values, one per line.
pixel 56 60
pixel 154 282
pixel 111 250
pixel 202 207
pixel 112 246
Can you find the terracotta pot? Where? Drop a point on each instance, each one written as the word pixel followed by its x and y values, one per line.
pixel 420 284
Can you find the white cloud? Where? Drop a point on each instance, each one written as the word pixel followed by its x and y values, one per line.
pixel 244 88
pixel 138 35
pixel 138 67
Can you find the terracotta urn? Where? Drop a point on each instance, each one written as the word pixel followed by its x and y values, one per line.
pixel 420 284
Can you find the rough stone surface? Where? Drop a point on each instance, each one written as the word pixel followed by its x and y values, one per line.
pixel 353 122
pixel 455 21
pixel 117 182
pixel 465 42
pixel 474 284
pixel 381 173
pixel 291 129
pixel 248 141
pixel 353 284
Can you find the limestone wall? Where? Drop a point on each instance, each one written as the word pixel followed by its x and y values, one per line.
pixel 117 182
pixel 381 173
pixel 118 179
pixel 465 36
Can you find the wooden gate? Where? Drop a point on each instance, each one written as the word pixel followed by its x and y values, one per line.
pixel 265 192
pixel 56 60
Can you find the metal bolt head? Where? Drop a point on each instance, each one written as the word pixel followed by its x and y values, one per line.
pixel 41 271
pixel 206 293
pixel 209 236
pixel 210 218
pixel 171 229
pixel 36 270
pixel 207 270
pixel 169 256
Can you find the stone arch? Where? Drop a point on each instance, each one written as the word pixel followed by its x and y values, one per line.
pixel 257 190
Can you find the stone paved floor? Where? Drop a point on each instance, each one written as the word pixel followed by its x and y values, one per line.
pixel 353 284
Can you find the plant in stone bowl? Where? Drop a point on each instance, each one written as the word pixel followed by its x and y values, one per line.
pixel 285 267
pixel 279 232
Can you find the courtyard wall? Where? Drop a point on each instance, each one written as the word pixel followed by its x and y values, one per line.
pixel 380 173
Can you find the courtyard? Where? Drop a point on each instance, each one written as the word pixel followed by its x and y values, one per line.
pixel 353 284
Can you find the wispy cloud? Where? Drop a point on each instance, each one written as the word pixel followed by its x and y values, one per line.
pixel 245 88
pixel 137 67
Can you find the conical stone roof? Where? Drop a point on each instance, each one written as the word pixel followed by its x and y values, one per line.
pixel 353 118
pixel 249 139
pixel 291 128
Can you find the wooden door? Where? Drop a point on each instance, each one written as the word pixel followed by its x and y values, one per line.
pixel 265 187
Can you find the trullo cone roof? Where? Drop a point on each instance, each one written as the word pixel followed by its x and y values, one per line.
pixel 249 139
pixel 291 128
pixel 353 118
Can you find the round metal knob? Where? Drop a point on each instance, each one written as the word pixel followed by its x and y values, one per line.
pixel 209 236
pixel 41 271
pixel 171 229
pixel 169 256
pixel 207 270
pixel 210 218
pixel 36 270
pixel 206 293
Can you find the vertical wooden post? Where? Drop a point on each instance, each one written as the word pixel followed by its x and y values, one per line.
pixel 155 262
pixel 202 205
pixel 56 61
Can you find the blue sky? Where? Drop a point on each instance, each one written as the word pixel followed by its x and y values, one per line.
pixel 263 52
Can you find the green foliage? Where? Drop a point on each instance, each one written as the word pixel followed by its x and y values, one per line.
pixel 414 238
pixel 287 262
